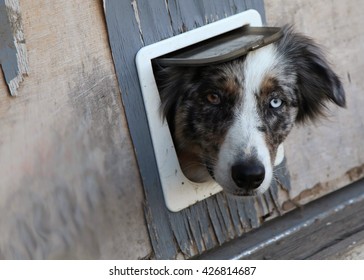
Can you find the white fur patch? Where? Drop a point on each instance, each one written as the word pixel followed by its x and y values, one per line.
pixel 244 141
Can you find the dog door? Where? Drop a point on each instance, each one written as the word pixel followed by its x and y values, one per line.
pixel 179 192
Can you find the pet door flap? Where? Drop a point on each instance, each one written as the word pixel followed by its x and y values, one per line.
pixel 222 48
pixel 215 42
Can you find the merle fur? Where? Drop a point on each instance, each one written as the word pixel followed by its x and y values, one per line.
pixel 316 81
pixel 200 127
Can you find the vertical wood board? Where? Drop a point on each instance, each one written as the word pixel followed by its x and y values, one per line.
pixel 69 183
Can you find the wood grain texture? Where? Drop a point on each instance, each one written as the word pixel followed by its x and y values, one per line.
pixel 69 183
pixel 348 247
pixel 327 228
pixel 125 41
pixel 330 154
pixel 220 218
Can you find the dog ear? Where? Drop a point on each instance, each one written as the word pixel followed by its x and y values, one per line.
pixel 173 84
pixel 168 79
pixel 316 81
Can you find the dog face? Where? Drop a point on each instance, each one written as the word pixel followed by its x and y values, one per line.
pixel 228 120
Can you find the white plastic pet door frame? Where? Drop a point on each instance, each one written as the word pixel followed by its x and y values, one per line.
pixel 179 192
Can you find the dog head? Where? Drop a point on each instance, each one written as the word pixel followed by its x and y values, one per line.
pixel 228 120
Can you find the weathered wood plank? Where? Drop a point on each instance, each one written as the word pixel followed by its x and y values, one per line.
pixel 226 217
pixel 347 247
pixel 155 22
pixel 126 38
pixel 69 183
pixel 13 53
pixel 238 217
pixel 312 232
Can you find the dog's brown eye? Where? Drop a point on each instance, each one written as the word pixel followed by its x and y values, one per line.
pixel 214 98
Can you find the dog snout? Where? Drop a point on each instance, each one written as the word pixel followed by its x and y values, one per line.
pixel 248 175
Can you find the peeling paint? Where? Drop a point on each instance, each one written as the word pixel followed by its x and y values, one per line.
pixel 134 4
pixel 322 188
pixel 355 173
pixel 13 54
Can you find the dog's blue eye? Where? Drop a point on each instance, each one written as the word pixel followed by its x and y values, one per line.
pixel 275 103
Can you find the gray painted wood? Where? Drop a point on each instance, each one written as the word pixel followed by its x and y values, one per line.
pixel 322 229
pixel 126 39
pixel 349 246
pixel 13 55
pixel 218 219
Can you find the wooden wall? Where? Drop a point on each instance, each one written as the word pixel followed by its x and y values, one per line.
pixel 330 154
pixel 69 183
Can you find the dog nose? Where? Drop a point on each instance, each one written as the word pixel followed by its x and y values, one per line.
pixel 247 175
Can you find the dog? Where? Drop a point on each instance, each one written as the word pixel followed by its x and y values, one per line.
pixel 227 120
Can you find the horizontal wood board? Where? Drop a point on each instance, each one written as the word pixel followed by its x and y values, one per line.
pixel 322 229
